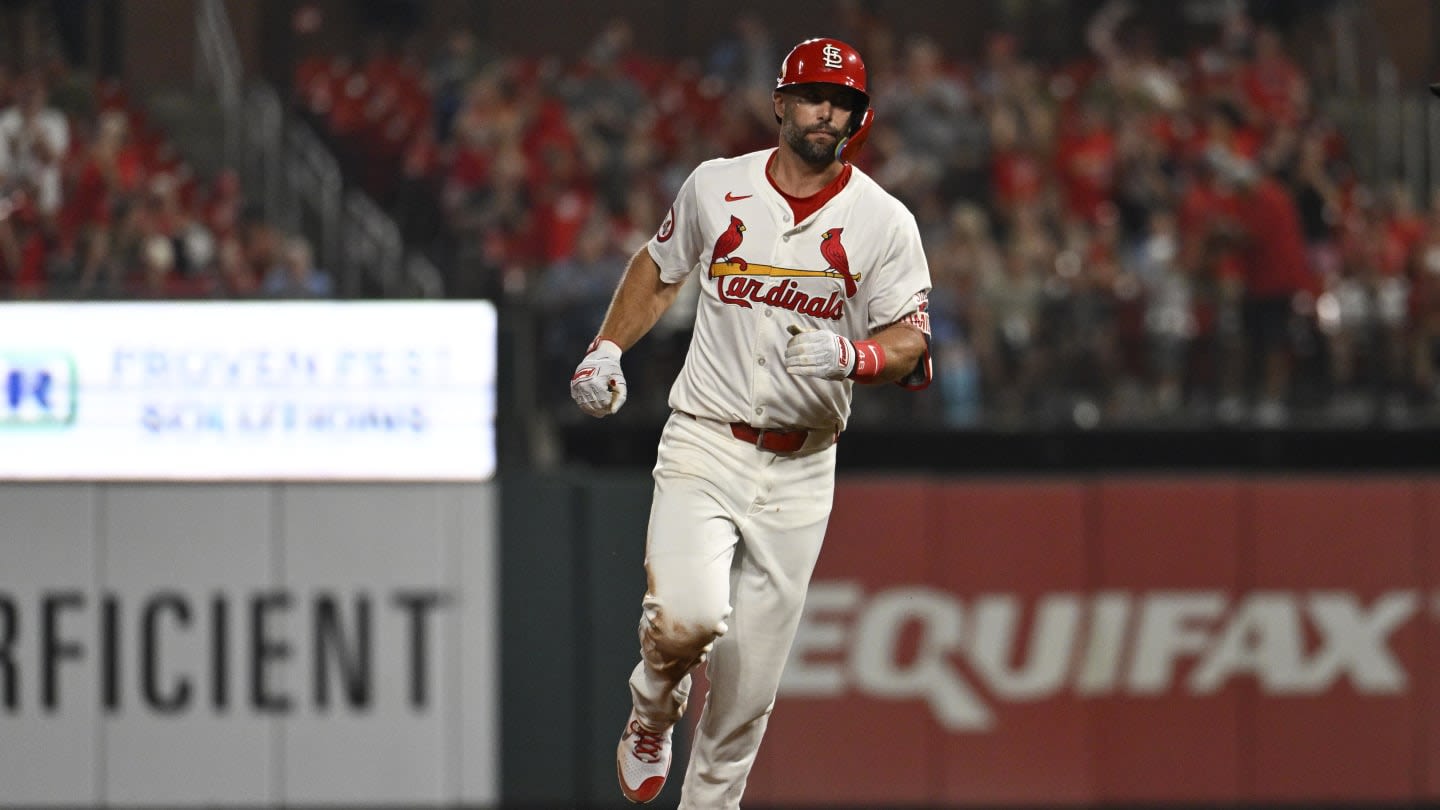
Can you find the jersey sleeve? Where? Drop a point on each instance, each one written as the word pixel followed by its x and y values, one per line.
pixel 677 246
pixel 902 279
pixel 904 294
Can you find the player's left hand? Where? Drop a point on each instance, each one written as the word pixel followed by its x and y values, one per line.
pixel 819 353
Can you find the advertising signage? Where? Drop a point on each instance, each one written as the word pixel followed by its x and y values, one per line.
pixel 1204 641
pixel 284 391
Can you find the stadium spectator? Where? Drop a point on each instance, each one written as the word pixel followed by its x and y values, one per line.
pixel 163 213
pixel 460 59
pixel 22 246
pixel 1086 161
pixel 1364 313
pixel 155 277
pixel 932 111
pixel 1321 204
pixel 967 257
pixel 1424 341
pixel 110 169
pixel 1119 267
pixel 1019 175
pixel 1271 282
pixel 1275 90
pixel 1170 320
pixel 34 139
pixel 296 276
pixel 1007 335
pixel 746 56
pixel 257 250
pixel 573 292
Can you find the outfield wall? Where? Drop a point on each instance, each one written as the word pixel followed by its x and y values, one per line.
pixel 1066 642
pixel 1069 641
pixel 248 645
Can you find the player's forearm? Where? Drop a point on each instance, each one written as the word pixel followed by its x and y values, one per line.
pixel 904 345
pixel 640 299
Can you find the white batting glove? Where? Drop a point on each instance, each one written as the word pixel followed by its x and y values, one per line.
pixel 819 353
pixel 598 386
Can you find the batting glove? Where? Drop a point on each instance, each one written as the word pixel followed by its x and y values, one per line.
pixel 598 386
pixel 819 353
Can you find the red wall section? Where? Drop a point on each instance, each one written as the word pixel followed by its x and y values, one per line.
pixel 1427 736
pixel 1026 543
pixel 1154 537
pixel 1128 641
pixel 1352 543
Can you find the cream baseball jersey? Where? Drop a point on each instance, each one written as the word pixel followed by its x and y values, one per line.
pixel 854 267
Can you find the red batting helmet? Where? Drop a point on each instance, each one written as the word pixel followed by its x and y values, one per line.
pixel 824 60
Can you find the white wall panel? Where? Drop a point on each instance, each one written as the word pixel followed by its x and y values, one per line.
pixel 478 638
pixel 185 562
pixel 48 755
pixel 272 587
pixel 383 544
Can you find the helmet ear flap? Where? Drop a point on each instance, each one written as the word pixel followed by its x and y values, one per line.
pixel 850 145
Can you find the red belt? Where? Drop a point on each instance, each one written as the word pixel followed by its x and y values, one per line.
pixel 776 441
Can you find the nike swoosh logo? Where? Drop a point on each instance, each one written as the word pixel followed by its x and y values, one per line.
pixel 730 197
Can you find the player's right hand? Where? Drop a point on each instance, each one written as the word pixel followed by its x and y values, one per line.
pixel 598 385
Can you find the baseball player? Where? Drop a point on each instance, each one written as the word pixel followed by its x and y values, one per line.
pixel 812 279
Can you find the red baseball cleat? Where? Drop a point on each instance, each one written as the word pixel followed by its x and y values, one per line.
pixel 642 760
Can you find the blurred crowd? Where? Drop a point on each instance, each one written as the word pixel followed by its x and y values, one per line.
pixel 1134 236
pixel 97 203
pixel 1131 237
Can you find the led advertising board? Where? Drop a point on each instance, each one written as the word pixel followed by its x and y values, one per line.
pixel 226 391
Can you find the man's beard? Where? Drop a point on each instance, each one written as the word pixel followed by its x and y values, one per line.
pixel 815 153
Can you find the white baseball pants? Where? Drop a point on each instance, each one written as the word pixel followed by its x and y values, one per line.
pixel 734 535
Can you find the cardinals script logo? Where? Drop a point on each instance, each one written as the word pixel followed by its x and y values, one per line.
pixel 739 282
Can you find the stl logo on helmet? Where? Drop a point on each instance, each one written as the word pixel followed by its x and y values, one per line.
pixel 833 57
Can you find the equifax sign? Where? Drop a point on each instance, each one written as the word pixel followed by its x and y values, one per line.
pixel 965 656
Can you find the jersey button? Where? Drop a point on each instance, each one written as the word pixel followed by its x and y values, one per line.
pixel 759 410
pixel 785 238
pixel 769 314
pixel 760 360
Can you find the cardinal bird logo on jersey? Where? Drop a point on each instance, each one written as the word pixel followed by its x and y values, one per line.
pixel 834 253
pixel 742 284
pixel 728 241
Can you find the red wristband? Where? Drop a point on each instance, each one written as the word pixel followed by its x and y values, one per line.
pixel 869 361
